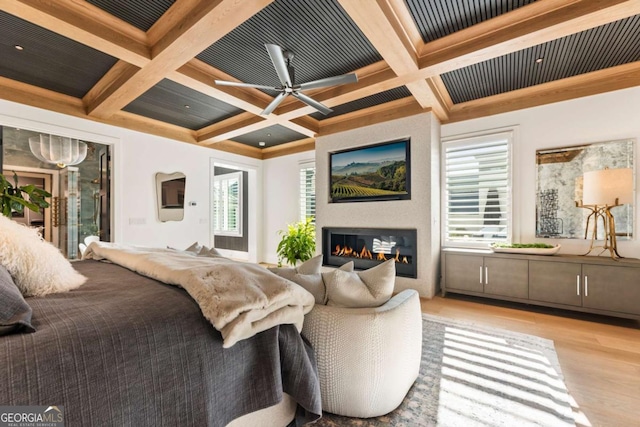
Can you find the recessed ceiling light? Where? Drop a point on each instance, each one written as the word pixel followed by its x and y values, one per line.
pixel 268 134
pixel 539 60
pixel 262 143
pixel 187 106
pixel 18 47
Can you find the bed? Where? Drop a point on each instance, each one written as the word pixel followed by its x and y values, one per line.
pixel 128 350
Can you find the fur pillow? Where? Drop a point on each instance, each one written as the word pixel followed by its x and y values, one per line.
pixel 15 313
pixel 38 268
pixel 369 288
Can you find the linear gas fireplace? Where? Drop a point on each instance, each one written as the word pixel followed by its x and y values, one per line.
pixel 368 247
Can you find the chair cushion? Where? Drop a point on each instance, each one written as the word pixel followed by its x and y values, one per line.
pixel 369 288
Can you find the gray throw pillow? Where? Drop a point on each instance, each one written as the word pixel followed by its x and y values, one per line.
pixel 369 288
pixel 213 252
pixel 15 313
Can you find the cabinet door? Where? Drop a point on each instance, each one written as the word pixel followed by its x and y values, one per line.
pixel 506 277
pixel 463 272
pixel 612 288
pixel 557 282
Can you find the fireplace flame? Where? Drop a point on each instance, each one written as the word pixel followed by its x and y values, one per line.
pixel 365 253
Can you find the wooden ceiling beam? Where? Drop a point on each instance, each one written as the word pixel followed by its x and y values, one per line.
pixel 368 116
pixel 86 24
pixel 34 96
pixel 519 29
pixel 379 23
pixel 237 148
pixel 594 83
pixel 178 42
pixel 302 145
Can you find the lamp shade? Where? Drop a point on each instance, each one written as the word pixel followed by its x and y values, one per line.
pixel 58 150
pixel 603 187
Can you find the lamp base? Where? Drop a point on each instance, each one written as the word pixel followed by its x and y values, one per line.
pixel 610 242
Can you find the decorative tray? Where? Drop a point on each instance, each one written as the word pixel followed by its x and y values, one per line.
pixel 528 251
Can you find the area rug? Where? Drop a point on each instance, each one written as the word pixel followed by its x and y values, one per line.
pixel 472 375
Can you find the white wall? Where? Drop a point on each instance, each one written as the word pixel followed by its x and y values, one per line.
pixel 136 158
pixel 281 198
pixel 606 117
pixel 421 212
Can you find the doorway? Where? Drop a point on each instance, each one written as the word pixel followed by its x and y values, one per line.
pixel 81 197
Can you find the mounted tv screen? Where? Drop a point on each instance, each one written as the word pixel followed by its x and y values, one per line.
pixel 375 172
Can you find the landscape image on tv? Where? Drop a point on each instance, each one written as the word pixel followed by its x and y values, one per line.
pixel 373 172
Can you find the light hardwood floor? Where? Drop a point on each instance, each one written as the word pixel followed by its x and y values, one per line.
pixel 599 356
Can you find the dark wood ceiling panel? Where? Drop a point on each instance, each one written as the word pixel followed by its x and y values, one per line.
pixel 602 47
pixel 369 101
pixel 439 18
pixel 139 13
pixel 271 136
pixel 322 37
pixel 48 60
pixel 167 102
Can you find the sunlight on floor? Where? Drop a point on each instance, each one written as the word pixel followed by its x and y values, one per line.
pixel 488 381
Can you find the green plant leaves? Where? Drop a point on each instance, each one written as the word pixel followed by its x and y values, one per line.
pixel 12 197
pixel 298 242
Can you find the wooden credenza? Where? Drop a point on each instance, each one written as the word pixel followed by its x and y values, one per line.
pixel 590 284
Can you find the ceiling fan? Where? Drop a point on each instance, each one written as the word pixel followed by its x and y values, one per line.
pixel 282 63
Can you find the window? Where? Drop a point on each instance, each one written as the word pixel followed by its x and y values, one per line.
pixel 477 190
pixel 307 190
pixel 227 204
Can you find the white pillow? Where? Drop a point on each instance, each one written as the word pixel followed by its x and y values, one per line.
pixel 38 268
pixel 369 288
pixel 306 275
pixel 213 252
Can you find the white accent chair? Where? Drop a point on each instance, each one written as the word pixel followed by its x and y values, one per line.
pixel 368 358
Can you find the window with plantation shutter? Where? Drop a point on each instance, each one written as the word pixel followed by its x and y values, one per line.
pixel 227 204
pixel 477 190
pixel 307 191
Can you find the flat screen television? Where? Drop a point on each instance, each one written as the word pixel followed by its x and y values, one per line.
pixel 374 172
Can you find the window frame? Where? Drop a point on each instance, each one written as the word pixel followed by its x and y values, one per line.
pixel 302 199
pixel 237 231
pixel 471 139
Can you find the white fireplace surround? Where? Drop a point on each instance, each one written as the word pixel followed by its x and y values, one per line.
pixel 422 212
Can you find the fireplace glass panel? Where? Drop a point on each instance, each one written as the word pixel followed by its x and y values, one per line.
pixel 368 247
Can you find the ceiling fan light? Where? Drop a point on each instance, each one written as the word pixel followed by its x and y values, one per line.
pixel 58 150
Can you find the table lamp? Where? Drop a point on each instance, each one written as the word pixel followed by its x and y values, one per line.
pixel 603 190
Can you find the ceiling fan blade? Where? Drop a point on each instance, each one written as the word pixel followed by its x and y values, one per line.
pixel 329 81
pixel 273 104
pixel 275 53
pixel 241 84
pixel 312 103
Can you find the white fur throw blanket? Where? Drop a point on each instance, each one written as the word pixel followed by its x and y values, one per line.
pixel 239 299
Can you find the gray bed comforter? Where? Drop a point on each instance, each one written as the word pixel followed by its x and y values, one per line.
pixel 126 350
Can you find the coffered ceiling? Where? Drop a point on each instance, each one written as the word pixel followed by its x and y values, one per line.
pixel 151 65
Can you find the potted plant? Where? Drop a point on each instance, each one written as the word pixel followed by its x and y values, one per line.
pixel 298 242
pixel 12 197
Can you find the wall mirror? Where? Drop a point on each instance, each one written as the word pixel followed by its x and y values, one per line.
pixel 170 196
pixel 559 186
